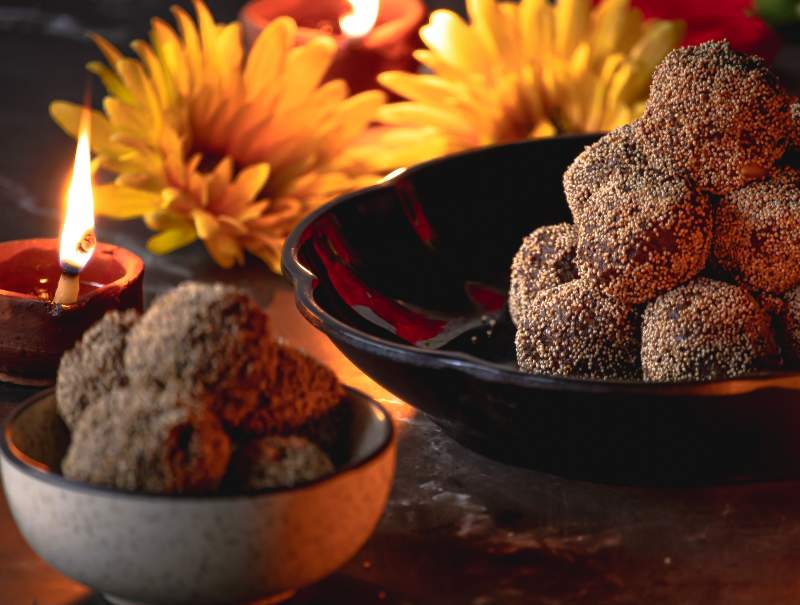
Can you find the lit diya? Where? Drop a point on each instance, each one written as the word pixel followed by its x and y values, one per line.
pixel 372 35
pixel 52 290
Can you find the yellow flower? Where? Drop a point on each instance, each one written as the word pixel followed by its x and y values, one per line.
pixel 528 69
pixel 207 143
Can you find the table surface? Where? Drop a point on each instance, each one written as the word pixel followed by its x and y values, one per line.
pixel 459 528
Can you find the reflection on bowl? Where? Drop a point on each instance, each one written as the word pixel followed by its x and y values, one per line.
pixel 152 549
pixel 409 279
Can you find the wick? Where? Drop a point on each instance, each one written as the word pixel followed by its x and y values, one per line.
pixel 68 286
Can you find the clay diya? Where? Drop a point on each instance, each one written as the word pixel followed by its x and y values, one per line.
pixel 35 330
pixel 52 290
pixel 373 35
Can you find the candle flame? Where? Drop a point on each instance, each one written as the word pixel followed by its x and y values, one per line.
pixel 77 235
pixel 361 19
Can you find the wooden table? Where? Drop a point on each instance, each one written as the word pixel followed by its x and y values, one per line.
pixel 459 528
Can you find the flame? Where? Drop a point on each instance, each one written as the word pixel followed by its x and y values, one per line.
pixel 77 235
pixel 361 19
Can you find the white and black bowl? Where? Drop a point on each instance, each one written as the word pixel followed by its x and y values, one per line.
pixel 181 550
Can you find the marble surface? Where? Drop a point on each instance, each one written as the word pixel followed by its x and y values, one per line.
pixel 459 528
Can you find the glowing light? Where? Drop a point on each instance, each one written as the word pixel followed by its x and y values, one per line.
pixel 393 174
pixel 77 235
pixel 361 19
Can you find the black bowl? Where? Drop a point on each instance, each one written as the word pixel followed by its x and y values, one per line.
pixel 409 280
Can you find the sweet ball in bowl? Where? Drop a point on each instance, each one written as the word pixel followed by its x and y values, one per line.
pixel 616 155
pixel 757 232
pixel 704 330
pixel 209 338
pixel 722 117
pixel 647 233
pixel 154 489
pixel 545 259
pixel 145 439
pixel 575 330
pixel 237 545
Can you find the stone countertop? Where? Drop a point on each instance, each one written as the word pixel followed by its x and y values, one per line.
pixel 459 528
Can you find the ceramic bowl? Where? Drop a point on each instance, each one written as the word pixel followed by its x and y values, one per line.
pixel 409 279
pixel 171 550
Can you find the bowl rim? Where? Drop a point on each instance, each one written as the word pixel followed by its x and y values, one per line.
pixel 37 471
pixel 304 282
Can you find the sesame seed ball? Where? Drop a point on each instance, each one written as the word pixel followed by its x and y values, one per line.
pixel 213 339
pixel 773 304
pixel 143 440
pixel 94 366
pixel 706 330
pixel 302 390
pixel 757 232
pixel 574 330
pixel 277 462
pixel 617 153
pixel 789 320
pixel 794 134
pixel 645 234
pixel 330 431
pixel 544 260
pixel 721 115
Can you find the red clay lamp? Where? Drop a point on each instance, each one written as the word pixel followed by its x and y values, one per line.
pixel 52 290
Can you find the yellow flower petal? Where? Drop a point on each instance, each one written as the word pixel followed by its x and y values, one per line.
pixel 420 88
pixel 442 68
pixel 142 89
pixel 124 202
pixel 160 220
pixel 207 27
pixel 252 211
pixel 171 240
pixel 110 80
pixel 486 20
pixel 229 53
pixel 67 116
pixel 205 224
pixel 109 51
pixel 327 184
pixel 544 129
pixel 268 54
pixel 572 23
pixel 447 35
pixel 351 118
pixel 169 50
pixel 611 24
pixel 249 182
pixel 225 250
pixel 191 44
pixel 305 67
pixel 653 46
pixel 233 225
pixel 219 180
pixel 270 254
pixel 536 29
pixel 283 211
pixel 415 114
pixel 163 86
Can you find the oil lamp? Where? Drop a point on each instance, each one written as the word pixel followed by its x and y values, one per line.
pixel 372 35
pixel 51 290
